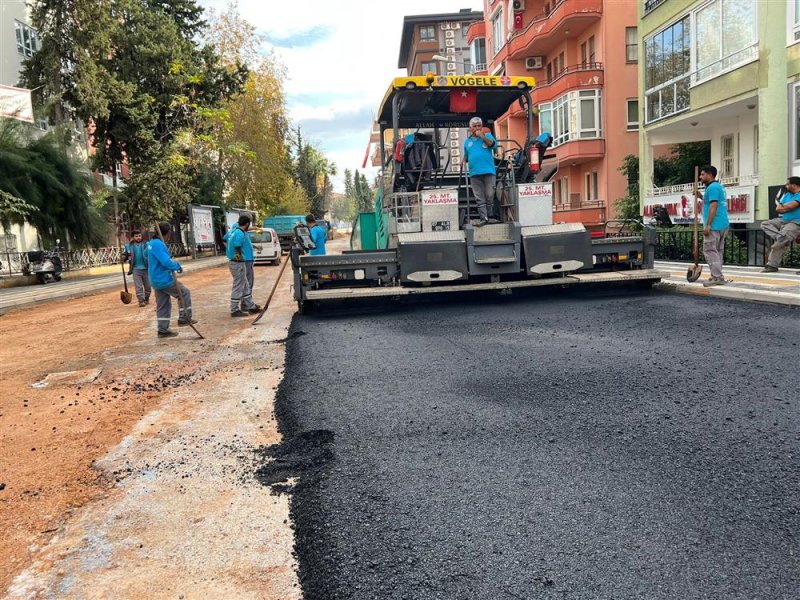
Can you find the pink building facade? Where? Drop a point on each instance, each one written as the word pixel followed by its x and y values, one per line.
pixel 583 55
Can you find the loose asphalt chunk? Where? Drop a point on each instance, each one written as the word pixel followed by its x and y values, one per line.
pixel 564 446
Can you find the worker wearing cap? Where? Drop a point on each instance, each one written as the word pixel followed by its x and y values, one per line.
pixel 239 250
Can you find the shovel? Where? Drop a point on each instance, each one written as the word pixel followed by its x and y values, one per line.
pixel 694 272
pixel 125 296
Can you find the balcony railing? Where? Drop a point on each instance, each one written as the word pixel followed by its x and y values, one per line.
pixel 589 66
pixel 478 67
pixel 687 187
pixel 651 4
pixel 725 64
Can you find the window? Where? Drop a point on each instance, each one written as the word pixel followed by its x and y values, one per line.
pixel 27 40
pixel 562 63
pixel 725 37
pixel 595 186
pixel 428 66
pixel 632 44
pixel 427 33
pixel 477 53
pixel 564 190
pixel 667 67
pixel 549 72
pixel 584 54
pixel 592 56
pixel 42 124
pixel 587 186
pixel 793 21
pixel 574 115
pixel 633 114
pixel 498 35
pixel 728 162
pixel 589 114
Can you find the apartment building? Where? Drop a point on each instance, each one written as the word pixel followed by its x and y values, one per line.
pixel 728 72
pixel 583 55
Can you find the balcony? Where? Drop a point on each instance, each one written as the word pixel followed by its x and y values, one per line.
pixel 568 18
pixel 476 30
pixel 576 151
pixel 571 78
pixel 479 69
pixel 590 213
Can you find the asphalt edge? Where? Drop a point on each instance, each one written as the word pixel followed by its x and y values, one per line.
pixel 731 293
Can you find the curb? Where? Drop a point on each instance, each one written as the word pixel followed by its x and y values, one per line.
pixel 23 280
pixel 109 281
pixel 732 293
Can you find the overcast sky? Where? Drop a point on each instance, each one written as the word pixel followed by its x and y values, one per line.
pixel 341 56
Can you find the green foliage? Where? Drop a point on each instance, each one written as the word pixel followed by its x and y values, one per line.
pixel 53 191
pixel 676 169
pixel 136 70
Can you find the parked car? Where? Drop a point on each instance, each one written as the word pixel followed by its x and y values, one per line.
pixel 266 246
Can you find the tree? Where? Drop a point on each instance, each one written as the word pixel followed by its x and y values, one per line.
pixel 676 169
pixel 363 193
pixel 148 80
pixel 40 185
pixel 253 157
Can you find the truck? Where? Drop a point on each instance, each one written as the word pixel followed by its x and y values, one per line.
pixel 426 238
pixel 284 227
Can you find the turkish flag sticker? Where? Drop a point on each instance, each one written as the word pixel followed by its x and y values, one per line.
pixel 463 100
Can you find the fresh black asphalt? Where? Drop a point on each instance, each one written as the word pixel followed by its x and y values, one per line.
pixel 608 446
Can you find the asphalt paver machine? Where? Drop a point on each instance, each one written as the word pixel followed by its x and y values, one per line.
pixel 427 237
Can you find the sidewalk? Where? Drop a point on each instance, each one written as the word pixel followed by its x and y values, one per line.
pixel 17 297
pixel 745 283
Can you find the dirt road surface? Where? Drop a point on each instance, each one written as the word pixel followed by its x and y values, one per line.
pixel 132 473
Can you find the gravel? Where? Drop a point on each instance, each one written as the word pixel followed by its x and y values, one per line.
pixel 600 445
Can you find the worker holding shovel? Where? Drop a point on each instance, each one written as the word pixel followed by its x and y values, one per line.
pixel 715 224
pixel 160 268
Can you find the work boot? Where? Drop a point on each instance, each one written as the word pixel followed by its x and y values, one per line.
pixel 482 222
pixel 239 313
pixel 184 322
pixel 255 310
pixel 142 303
pixel 167 334
pixel 769 269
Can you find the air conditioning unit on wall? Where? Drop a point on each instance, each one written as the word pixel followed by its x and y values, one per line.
pixel 519 5
pixel 533 62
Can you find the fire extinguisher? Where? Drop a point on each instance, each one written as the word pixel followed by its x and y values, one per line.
pixel 533 158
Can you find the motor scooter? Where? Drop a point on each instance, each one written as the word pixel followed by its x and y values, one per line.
pixel 45 265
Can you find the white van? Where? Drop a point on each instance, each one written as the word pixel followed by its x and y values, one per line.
pixel 266 247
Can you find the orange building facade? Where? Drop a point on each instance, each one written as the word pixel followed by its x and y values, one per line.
pixel 583 55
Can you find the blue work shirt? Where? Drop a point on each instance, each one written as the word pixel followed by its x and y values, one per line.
pixel 319 236
pixel 716 193
pixel 137 254
pixel 479 156
pixel 792 215
pixel 160 265
pixel 238 238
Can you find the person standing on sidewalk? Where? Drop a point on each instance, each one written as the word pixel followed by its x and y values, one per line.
pixel 482 173
pixel 160 268
pixel 136 256
pixel 785 229
pixel 239 250
pixel 715 223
